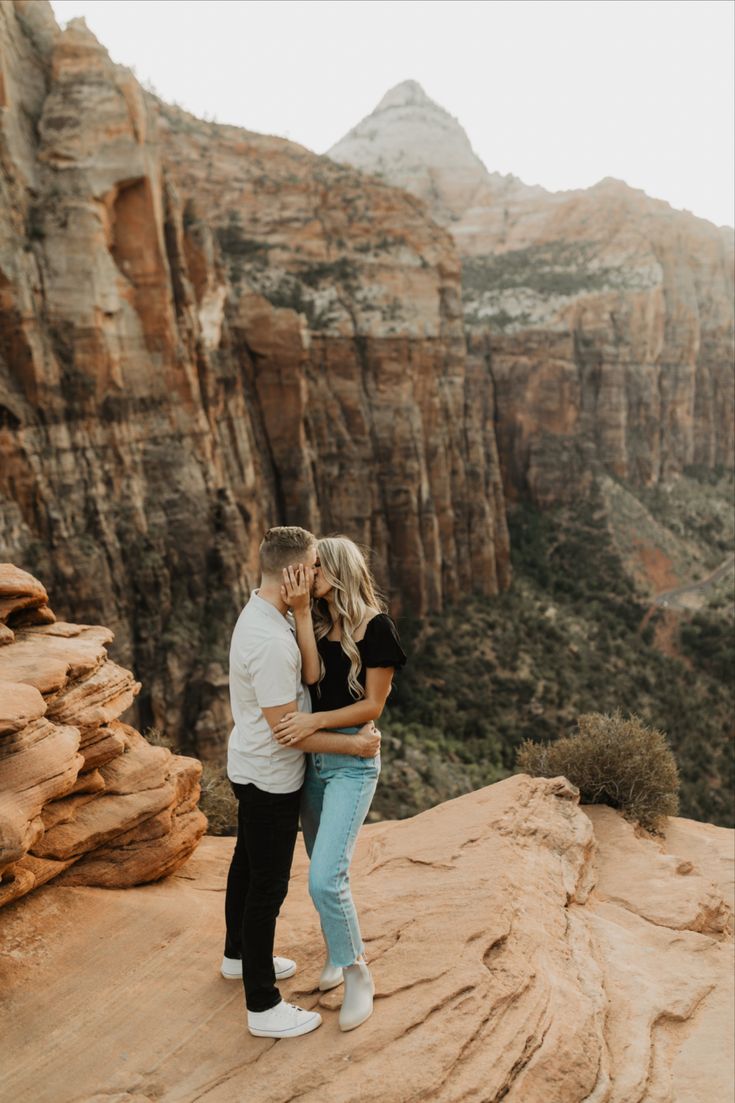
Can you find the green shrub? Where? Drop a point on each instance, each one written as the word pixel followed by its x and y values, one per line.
pixel 554 268
pixel 612 760
pixel 342 270
pixel 710 644
pixel 233 243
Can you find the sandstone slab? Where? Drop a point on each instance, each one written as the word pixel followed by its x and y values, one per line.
pixel 501 973
pixel 19 705
pixel 19 591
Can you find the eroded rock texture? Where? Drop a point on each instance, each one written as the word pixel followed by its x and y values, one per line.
pixel 524 949
pixel 84 798
pixel 605 317
pixel 204 332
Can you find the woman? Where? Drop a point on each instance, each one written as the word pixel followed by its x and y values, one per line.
pixel 349 652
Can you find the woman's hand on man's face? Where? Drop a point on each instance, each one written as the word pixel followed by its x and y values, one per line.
pixel 296 587
pixel 295 726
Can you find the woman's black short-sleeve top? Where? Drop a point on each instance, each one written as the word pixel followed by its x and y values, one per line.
pixel 380 646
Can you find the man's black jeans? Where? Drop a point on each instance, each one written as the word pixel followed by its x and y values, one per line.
pixel 257 883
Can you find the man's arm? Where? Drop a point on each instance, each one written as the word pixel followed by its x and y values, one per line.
pixel 365 744
pixel 299 725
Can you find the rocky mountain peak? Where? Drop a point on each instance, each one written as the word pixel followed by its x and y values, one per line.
pixel 408 93
pixel 416 144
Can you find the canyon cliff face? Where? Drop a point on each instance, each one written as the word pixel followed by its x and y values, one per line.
pixel 204 332
pixel 604 317
pixel 84 798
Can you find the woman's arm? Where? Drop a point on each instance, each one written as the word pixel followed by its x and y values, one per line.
pixel 296 726
pixel 296 592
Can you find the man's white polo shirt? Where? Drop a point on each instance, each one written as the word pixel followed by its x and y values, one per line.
pixel 265 670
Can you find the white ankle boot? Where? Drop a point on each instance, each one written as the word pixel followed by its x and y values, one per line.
pixel 331 977
pixel 331 974
pixel 357 1005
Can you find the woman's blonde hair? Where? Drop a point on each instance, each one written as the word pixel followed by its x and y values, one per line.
pixel 344 566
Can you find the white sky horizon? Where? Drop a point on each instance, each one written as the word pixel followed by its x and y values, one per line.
pixel 561 93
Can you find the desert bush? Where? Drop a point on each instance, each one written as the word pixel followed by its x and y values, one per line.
pixel 159 738
pixel 612 760
pixel 218 802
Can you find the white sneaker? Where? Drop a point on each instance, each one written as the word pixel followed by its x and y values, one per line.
pixel 285 1020
pixel 231 968
pixel 284 967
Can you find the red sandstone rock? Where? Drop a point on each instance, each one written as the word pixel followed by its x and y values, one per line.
pixel 76 785
pixel 19 705
pixel 20 593
pixel 51 663
pixel 504 968
pixel 103 744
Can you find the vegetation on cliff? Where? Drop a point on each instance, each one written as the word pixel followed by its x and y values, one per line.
pixel 613 760
pixel 575 634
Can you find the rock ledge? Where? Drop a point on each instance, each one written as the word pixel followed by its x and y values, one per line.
pixel 523 948
pixel 83 797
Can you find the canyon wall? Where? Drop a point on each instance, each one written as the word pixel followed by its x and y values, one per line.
pixel 204 332
pixel 604 316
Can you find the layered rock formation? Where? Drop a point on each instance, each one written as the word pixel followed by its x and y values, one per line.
pixel 204 332
pixel 523 949
pixel 605 317
pixel 84 798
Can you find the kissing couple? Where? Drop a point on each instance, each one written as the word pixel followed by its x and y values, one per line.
pixel 312 660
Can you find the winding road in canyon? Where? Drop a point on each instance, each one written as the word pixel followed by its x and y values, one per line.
pixel 674 599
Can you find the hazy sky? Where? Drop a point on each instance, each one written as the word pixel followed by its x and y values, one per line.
pixel 559 93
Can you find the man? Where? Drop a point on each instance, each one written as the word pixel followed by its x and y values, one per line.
pixel 265 684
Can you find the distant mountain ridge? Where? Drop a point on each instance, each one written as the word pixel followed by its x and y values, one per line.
pixel 604 316
pixel 416 144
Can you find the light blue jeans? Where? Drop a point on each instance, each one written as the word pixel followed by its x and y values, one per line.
pixel 335 799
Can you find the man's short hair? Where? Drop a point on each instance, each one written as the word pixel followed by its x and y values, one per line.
pixel 283 545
